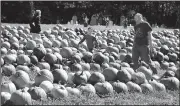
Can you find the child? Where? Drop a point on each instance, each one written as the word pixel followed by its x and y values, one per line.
pixel 35 22
pixel 89 40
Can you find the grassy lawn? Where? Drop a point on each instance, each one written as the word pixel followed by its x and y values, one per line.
pixel 155 98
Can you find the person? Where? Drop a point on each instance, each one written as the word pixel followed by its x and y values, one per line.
pixel 142 45
pixel 90 40
pixel 35 22
pixel 125 23
pixel 107 21
pixel 86 21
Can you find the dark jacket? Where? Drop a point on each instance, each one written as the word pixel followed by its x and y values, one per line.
pixel 36 28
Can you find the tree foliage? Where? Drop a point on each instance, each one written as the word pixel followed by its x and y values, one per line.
pixel 160 12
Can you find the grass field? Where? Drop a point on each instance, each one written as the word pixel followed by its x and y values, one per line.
pixel 156 98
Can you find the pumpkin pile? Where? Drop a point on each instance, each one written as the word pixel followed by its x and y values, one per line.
pixel 53 65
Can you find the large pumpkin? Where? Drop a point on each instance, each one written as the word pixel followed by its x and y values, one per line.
pixel 133 87
pixel 21 97
pixel 123 75
pixel 20 79
pixel 10 58
pixel 47 86
pixel 66 52
pixel 43 75
pixel 73 91
pixel 23 59
pixel 43 65
pixel 119 87
pixel 95 67
pixel 79 78
pixel 50 58
pixel 8 70
pixel 157 86
pixel 85 66
pixel 39 52
pixel 138 78
pixel 30 45
pixel 98 58
pixel 171 83
pixel 103 88
pixel 147 72
pixel 87 57
pixel 23 68
pixel 59 91
pixel 110 74
pixel 87 89
pixel 146 88
pixel 96 77
pixel 60 75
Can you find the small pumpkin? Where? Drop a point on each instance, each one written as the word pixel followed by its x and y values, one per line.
pixel 96 77
pixel 59 91
pixel 60 75
pixel 5 96
pixel 79 78
pixel 110 74
pixel 124 76
pixel 171 83
pixel 146 88
pixel 133 87
pixel 119 87
pixel 103 88
pixel 8 70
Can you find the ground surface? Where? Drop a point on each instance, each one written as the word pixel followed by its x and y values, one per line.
pixel 156 98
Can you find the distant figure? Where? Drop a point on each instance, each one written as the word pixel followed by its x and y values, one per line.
pixel 91 41
pixel 35 22
pixel 93 20
pixel 107 21
pixel 74 19
pixel 86 21
pixel 125 23
pixel 100 19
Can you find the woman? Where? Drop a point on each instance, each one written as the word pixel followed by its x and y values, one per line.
pixel 35 22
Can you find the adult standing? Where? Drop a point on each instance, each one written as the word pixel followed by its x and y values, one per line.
pixel 142 43
pixel 35 22
pixel 74 18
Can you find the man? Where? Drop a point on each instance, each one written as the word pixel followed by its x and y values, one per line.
pixel 90 40
pixel 142 43
pixel 35 22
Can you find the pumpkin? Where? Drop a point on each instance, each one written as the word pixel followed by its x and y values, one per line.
pixel 15 46
pixel 76 59
pixel 104 66
pixel 98 58
pixel 30 45
pixel 73 91
pixel 164 65
pixel 110 49
pixel 48 50
pixel 177 73
pixel 20 79
pixel 147 72
pixel 3 51
pixel 171 83
pixel 39 51
pixel 8 70
pixel 59 91
pixel 133 87
pixel 164 49
pixel 75 67
pixel 123 76
pixel 87 57
pixel 50 58
pixel 103 88
pixel 43 75
pixel 47 43
pixel 2 61
pixel 160 56
pixel 23 68
pixel 43 65
pixel 87 89
pixel 37 93
pixel 157 86
pixel 172 57
pixel 8 86
pixel 88 74
pixel 6 45
pixel 110 74
pixel 85 66
pixel 23 59
pixel 95 67
pixel 129 69
pixel 59 57
pixel 60 75
pixel 115 65
pixel 96 77
pixel 119 87
pixel 146 88
pixel 79 78
pixel 21 97
pixel 47 86
pixel 66 52
pixel 34 59
pixel 10 58
pixel 5 96
pixel 56 43
pixel 138 78
pixel 168 74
